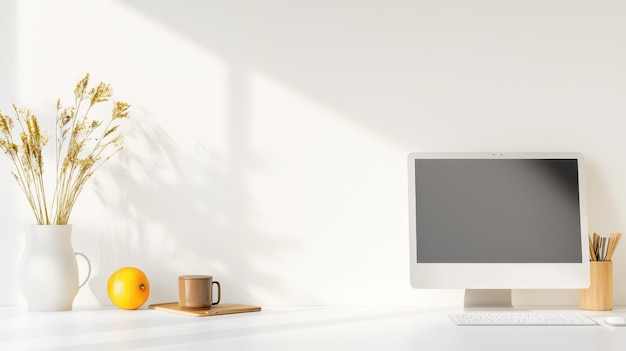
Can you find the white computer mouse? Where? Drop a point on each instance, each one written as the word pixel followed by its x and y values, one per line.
pixel 616 321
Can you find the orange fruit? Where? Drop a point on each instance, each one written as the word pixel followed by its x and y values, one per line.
pixel 128 288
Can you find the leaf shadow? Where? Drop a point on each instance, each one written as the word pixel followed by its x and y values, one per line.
pixel 175 211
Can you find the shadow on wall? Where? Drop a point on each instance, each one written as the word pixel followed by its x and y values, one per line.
pixel 411 70
pixel 187 210
pixel 181 212
pixel 363 66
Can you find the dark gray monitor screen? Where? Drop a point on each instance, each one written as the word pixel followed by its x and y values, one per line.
pixel 497 211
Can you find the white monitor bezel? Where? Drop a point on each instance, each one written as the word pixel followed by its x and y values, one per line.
pixel 498 275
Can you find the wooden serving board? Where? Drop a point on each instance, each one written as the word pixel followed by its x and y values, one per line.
pixel 224 308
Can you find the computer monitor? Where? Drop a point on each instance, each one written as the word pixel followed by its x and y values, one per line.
pixel 492 222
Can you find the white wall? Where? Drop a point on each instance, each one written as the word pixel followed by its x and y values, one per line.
pixel 268 140
pixel 9 249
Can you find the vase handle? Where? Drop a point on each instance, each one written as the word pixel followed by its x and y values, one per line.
pixel 88 266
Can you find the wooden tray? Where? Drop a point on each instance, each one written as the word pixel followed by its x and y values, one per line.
pixel 224 308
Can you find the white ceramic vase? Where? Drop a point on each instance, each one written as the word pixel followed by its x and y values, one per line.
pixel 48 271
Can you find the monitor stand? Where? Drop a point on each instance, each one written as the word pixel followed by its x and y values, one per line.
pixel 488 299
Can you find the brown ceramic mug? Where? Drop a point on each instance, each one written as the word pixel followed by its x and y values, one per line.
pixel 196 291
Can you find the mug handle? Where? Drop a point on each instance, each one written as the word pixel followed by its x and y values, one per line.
pixel 219 293
pixel 88 266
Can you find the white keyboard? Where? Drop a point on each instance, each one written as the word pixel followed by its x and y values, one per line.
pixel 521 318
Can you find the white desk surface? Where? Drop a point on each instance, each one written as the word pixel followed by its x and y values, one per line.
pixel 289 328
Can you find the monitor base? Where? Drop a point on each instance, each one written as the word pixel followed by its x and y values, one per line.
pixel 488 298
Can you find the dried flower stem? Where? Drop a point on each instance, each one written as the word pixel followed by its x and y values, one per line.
pixel 82 146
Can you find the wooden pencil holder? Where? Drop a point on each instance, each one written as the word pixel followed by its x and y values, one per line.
pixel 599 295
